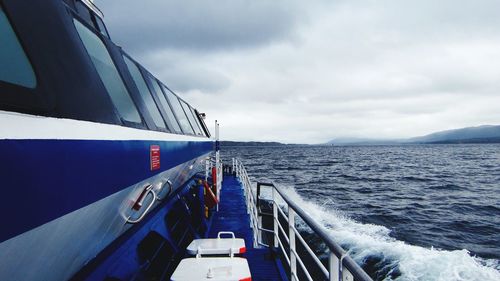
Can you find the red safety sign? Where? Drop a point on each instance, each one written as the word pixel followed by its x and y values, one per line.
pixel 154 153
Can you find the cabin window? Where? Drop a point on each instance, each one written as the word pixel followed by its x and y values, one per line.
pixel 165 105
pixel 15 67
pixel 190 116
pixel 145 93
pixel 108 73
pixel 181 115
pixel 197 121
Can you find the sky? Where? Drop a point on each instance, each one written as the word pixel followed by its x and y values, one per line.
pixel 311 71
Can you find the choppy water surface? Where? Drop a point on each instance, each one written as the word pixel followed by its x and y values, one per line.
pixel 416 212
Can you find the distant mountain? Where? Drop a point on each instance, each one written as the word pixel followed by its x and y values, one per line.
pixel 480 134
pixel 361 141
pixel 251 143
pixel 485 133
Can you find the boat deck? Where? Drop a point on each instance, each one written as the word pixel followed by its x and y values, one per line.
pixel 232 216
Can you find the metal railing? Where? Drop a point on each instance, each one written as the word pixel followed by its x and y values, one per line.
pixel 340 267
pixel 217 163
pixel 251 202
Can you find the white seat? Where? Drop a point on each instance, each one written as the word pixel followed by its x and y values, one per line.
pixel 217 246
pixel 213 269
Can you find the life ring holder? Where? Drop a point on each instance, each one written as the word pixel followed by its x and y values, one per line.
pixel 148 189
pixel 170 189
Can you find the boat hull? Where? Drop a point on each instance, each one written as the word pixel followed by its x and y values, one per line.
pixel 67 199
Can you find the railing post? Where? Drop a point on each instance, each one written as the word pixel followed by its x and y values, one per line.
pixel 259 217
pixel 291 236
pixel 247 194
pixel 207 163
pixel 333 267
pixel 275 217
pixel 346 275
pixel 259 233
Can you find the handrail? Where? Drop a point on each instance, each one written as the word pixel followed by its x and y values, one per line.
pixel 241 174
pixel 340 265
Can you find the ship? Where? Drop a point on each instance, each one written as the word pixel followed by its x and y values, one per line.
pixel 108 174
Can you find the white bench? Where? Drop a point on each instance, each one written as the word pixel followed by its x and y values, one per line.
pixel 213 269
pixel 217 246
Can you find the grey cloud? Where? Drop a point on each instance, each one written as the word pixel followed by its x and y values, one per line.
pixel 143 26
pixel 303 72
pixel 182 74
pixel 185 79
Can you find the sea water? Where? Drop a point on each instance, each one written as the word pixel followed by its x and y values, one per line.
pixel 412 212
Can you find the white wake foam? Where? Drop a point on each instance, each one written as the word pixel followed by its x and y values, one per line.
pixel 414 262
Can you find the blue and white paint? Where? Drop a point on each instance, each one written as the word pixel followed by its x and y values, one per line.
pixel 68 187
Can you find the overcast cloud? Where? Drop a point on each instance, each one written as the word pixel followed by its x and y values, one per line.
pixel 304 72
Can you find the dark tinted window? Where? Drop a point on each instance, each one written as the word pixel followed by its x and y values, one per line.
pixel 108 73
pixel 15 67
pixel 176 105
pixel 197 120
pixel 190 116
pixel 145 94
pixel 166 107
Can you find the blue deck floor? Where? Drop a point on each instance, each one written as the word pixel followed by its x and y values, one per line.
pixel 232 216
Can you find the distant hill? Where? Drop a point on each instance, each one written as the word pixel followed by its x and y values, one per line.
pixel 486 133
pixel 251 143
pixel 480 134
pixel 362 141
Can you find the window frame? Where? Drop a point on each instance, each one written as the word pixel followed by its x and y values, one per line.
pixel 90 17
pixel 203 124
pixel 20 98
pixel 104 30
pixel 23 58
pixel 165 89
pixel 104 40
pixel 150 79
pixel 184 103
pixel 197 120
pixel 145 107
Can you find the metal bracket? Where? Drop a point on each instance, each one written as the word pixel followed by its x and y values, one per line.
pixel 148 189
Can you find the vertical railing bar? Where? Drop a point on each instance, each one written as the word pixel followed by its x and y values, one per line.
pixel 291 238
pixel 259 233
pixel 301 263
pixel 275 217
pixel 283 214
pixel 254 221
pixel 285 234
pixel 232 165
pixel 333 267
pixel 283 251
pixel 311 253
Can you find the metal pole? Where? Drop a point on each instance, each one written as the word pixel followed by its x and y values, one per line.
pixel 291 236
pixel 275 216
pixel 217 188
pixel 333 267
pixel 207 165
pixel 259 233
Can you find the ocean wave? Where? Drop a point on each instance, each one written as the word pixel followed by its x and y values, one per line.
pixel 395 259
pixel 417 179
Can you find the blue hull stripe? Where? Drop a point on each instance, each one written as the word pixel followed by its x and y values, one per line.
pixel 42 180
